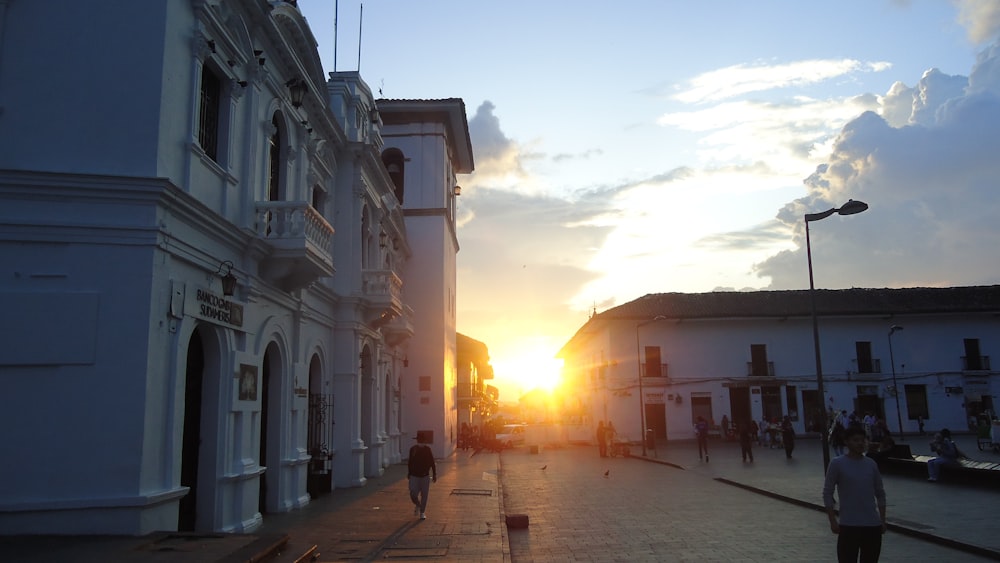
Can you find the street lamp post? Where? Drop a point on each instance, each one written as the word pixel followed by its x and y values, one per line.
pixel 895 386
pixel 642 398
pixel 849 208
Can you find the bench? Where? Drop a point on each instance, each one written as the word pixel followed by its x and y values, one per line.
pixel 901 460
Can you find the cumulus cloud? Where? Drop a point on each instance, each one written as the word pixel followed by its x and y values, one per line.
pixel 931 186
pixel 499 160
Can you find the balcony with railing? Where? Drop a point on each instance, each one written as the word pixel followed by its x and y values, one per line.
pixel 382 293
pixel 870 369
pixel 759 372
pixel 300 242
pixel 400 328
pixel 662 372
pixel 976 363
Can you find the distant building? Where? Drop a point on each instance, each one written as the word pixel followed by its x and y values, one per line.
pixel 229 278
pixel 748 355
pixel 477 400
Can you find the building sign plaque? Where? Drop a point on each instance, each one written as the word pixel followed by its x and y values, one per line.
pixel 214 308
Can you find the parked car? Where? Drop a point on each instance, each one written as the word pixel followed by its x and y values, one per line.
pixel 511 435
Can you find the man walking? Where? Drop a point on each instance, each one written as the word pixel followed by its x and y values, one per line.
pixel 422 471
pixel 862 501
pixel 701 430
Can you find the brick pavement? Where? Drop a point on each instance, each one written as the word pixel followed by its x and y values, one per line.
pixel 676 510
pixel 653 512
pixel 463 518
pixel 464 523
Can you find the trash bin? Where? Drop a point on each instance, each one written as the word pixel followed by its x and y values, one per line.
pixel 650 439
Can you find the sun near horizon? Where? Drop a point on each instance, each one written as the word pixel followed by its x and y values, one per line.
pixel 527 370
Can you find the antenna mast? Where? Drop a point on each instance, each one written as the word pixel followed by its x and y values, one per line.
pixel 336 12
pixel 361 21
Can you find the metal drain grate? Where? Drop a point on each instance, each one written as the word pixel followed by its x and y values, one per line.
pixel 476 492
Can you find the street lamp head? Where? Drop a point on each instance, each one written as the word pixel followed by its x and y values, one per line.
pixel 894 328
pixel 852 206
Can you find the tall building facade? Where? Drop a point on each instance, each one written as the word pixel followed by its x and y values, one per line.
pixel 211 286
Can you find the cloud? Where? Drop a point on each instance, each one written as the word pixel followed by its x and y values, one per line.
pixel 761 236
pixel 981 18
pixel 931 186
pixel 786 134
pixel 736 80
pixel 585 155
pixel 499 160
pixel 897 104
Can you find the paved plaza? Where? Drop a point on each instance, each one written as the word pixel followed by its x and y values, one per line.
pixel 669 507
pixel 691 510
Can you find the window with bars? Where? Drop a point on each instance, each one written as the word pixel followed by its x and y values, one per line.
pixel 209 112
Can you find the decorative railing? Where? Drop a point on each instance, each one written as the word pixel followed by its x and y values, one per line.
pixel 663 372
pixel 760 373
pixel 875 366
pixel 381 285
pixel 975 363
pixel 293 220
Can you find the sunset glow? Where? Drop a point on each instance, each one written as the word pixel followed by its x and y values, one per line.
pixel 521 372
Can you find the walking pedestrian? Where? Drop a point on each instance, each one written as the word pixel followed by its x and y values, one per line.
pixel 422 472
pixel 602 439
pixel 837 438
pixel 788 436
pixel 748 435
pixel 862 501
pixel 701 430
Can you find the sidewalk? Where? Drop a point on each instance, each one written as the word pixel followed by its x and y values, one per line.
pixel 464 522
pixel 464 518
pixel 946 513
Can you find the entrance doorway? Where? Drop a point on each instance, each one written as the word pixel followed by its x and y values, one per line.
pixel 739 405
pixel 270 421
pixel 812 408
pixel 319 434
pixel 191 442
pixel 656 419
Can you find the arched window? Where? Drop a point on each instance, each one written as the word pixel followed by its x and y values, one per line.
pixel 274 161
pixel 394 164
pixel 209 110
pixel 366 238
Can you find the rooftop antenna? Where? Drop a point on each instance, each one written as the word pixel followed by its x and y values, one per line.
pixel 361 21
pixel 336 12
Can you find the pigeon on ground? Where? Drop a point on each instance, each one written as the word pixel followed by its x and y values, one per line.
pixel 606 473
pixel 544 466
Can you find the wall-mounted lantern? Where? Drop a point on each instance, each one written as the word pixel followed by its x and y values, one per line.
pixel 228 279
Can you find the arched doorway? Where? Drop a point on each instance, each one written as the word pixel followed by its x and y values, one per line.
pixel 367 412
pixel 202 372
pixel 194 381
pixel 270 424
pixel 320 432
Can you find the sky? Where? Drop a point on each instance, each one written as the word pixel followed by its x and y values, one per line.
pixel 651 146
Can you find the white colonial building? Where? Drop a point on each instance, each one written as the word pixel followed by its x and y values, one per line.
pixel 747 355
pixel 219 303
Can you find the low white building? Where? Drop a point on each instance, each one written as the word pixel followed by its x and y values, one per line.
pixel 209 273
pixel 750 355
